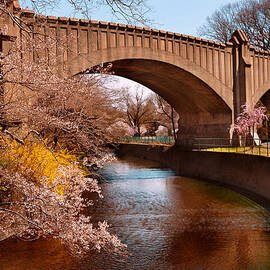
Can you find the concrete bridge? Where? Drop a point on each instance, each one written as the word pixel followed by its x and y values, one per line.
pixel 207 82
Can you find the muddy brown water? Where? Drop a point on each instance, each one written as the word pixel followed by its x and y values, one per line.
pixel 167 221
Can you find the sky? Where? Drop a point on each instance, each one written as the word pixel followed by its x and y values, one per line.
pixel 179 16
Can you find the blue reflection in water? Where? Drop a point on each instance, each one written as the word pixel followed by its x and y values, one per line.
pixel 118 172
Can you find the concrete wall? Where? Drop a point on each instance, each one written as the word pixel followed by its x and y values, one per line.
pixel 247 172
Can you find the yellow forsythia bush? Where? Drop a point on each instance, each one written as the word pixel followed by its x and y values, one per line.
pixel 34 160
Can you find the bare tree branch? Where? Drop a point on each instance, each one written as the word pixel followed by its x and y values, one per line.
pixel 251 16
pixel 131 11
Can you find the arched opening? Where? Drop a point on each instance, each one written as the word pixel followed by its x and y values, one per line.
pixel 264 131
pixel 203 112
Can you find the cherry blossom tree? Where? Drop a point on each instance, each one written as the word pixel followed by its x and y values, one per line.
pixel 38 105
pixel 68 111
pixel 122 129
pixel 249 120
pixel 131 131
pixel 61 112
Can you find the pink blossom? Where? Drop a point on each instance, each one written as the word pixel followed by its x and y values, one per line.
pixel 251 117
pixel 41 210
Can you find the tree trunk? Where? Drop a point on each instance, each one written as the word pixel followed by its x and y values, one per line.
pixel 173 125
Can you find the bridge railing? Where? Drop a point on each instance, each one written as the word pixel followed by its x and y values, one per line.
pixel 148 140
pixel 243 146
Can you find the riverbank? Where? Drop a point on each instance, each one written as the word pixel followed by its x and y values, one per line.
pixel 246 174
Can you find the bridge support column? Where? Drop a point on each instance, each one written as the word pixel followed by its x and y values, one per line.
pixel 203 125
pixel 241 71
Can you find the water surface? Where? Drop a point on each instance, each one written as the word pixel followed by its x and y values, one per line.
pixel 168 222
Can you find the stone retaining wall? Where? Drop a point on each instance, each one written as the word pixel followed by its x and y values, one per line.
pixel 247 172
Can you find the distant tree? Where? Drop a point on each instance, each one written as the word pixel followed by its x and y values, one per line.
pixel 251 16
pixel 131 131
pixel 162 131
pixel 121 129
pixel 166 115
pixel 139 109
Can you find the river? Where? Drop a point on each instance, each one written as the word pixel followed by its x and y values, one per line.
pixel 167 221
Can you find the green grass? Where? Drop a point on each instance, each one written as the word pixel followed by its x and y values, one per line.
pixel 257 150
pixel 151 143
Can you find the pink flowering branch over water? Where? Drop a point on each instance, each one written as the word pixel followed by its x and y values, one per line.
pixel 34 210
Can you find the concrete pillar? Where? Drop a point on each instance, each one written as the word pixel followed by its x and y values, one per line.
pixel 203 125
pixel 241 71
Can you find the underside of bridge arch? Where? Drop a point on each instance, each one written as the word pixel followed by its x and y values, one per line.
pixel 265 100
pixel 203 113
pixel 264 131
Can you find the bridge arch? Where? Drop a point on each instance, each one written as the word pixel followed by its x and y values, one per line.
pixel 134 55
pixel 263 94
pixel 263 97
pixel 203 102
pixel 229 74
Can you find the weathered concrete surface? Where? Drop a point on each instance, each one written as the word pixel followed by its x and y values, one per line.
pixel 247 172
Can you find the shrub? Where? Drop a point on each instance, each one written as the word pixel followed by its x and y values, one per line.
pixel 34 160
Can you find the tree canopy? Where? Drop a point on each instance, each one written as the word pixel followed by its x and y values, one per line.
pixel 251 16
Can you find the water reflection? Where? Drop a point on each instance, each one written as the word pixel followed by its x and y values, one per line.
pixel 168 222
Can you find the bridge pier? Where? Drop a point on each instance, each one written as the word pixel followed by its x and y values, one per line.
pixel 203 125
pixel 242 92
